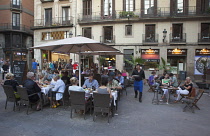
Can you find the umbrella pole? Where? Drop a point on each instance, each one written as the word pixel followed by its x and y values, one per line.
pixel 80 69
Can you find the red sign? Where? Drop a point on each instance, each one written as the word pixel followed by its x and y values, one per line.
pixel 150 54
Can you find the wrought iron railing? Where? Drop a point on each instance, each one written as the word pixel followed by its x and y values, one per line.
pixel 55 22
pixel 203 37
pixel 151 38
pixel 10 26
pixel 107 39
pixel 141 14
pixel 177 37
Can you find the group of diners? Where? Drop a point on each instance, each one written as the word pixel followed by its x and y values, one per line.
pixel 170 81
pixel 58 84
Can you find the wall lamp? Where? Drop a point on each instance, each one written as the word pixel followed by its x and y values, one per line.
pixel 70 34
pixel 164 35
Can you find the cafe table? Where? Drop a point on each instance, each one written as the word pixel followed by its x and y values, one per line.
pixel 45 90
pixel 169 91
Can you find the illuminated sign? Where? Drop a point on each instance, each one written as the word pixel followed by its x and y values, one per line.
pixel 177 51
pixel 202 52
pixel 150 54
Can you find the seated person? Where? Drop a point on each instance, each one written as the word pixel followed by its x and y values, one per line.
pixel 41 79
pixel 103 89
pixel 120 79
pixel 74 85
pixel 91 83
pixel 113 84
pixel 59 87
pixel 152 78
pixel 76 74
pixel 165 82
pixel 188 85
pixel 32 88
pixel 10 81
pixel 173 80
pixel 65 77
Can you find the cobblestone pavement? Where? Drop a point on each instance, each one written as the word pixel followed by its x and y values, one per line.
pixel 134 119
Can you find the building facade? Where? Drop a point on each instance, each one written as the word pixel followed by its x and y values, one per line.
pixel 175 30
pixel 15 34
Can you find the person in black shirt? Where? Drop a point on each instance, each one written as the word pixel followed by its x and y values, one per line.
pixel 139 76
pixel 65 77
pixel 5 68
pixel 32 88
pixel 10 81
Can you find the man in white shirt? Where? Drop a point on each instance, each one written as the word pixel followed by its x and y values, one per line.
pixel 59 87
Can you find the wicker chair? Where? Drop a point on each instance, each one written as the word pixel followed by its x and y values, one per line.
pixel 101 104
pixel 78 102
pixel 10 94
pixel 24 98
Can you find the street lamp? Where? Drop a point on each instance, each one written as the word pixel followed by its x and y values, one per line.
pixel 70 34
pixel 164 35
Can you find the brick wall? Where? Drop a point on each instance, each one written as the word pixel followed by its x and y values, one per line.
pixel 5 16
pixel 4 2
pixel 29 4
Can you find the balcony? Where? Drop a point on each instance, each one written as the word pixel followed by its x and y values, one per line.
pixel 178 38
pixel 150 39
pixel 54 23
pixel 44 1
pixel 158 13
pixel 15 7
pixel 204 38
pixel 107 39
pixel 10 27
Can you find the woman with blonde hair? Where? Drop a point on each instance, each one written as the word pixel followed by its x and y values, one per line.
pixel 74 86
pixel 10 81
pixel 185 89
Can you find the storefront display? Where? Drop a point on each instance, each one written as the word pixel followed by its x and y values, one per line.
pixel 176 59
pixel 202 58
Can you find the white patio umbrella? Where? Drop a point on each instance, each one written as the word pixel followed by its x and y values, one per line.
pixel 75 45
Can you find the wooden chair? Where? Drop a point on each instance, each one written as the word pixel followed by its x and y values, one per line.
pixel 191 94
pixel 24 98
pixel 78 102
pixel 10 94
pixel 192 101
pixel 102 104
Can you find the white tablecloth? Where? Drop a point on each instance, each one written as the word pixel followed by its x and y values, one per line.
pixel 45 90
pixel 114 95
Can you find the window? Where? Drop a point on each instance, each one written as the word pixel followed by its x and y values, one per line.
pixel 180 5
pixel 128 30
pixel 16 20
pixel 87 7
pixel 205 29
pixel 129 5
pixel 16 40
pixel 150 33
pixel 66 15
pixel 16 2
pixel 107 7
pixel 87 32
pixel 48 16
pixel 148 6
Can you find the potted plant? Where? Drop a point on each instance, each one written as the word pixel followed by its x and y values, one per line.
pixel 126 14
pixel 101 61
pixel 134 61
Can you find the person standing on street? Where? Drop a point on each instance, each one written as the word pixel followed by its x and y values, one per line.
pixel 69 67
pixel 34 66
pixel 139 76
pixel 1 64
pixel 5 68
